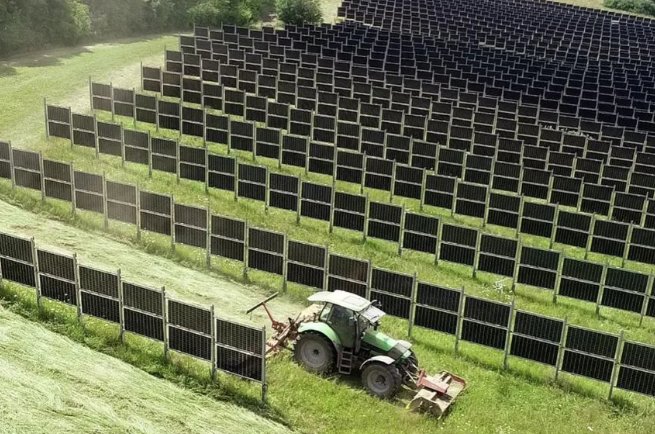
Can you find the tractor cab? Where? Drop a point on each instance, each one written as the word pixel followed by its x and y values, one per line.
pixel 344 336
pixel 350 317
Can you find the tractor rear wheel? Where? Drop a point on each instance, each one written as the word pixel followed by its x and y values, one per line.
pixel 315 353
pixel 381 380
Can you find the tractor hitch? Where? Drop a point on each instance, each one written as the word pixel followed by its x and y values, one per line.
pixel 283 331
pixel 275 324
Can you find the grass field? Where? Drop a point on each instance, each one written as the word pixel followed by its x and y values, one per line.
pixel 595 4
pixel 496 402
pixel 51 384
pixel 291 387
pixel 522 400
pixel 329 8
pixel 382 254
pixel 231 299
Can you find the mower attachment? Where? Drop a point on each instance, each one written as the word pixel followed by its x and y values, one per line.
pixel 436 394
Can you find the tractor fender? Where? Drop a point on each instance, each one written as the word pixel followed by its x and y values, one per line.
pixel 323 329
pixel 381 359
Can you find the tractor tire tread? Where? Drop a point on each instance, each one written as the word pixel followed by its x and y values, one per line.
pixel 395 375
pixel 331 353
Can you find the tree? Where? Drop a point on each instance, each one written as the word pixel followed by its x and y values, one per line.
pixel 299 11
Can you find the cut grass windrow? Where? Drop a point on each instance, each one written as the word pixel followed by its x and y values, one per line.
pixel 53 383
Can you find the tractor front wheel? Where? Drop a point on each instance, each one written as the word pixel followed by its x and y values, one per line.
pixel 381 380
pixel 411 364
pixel 315 353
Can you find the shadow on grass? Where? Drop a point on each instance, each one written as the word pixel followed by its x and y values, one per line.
pixel 136 351
pixel 47 58
pixel 7 71
pixel 52 56
pixel 354 382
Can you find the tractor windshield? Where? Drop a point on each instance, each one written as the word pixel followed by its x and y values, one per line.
pixel 372 314
pixel 362 324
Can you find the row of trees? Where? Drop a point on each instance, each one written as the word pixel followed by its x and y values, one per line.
pixel 644 7
pixel 32 24
pixel 212 13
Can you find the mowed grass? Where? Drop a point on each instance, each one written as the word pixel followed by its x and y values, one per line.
pixel 329 8
pixel 496 401
pixel 62 75
pixel 181 281
pixel 51 384
pixel 311 404
pixel 523 400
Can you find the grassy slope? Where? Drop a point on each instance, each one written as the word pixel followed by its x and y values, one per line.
pixel 51 384
pixel 291 388
pixel 62 75
pixel 231 299
pixel 320 405
pixel 595 4
pixel 495 402
pixel 383 254
pixel 329 8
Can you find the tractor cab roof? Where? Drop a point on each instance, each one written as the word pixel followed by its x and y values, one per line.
pixel 349 301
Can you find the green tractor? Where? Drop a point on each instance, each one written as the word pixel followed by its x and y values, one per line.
pixel 339 333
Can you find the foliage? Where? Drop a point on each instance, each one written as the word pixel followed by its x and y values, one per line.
pixel 81 18
pixel 299 11
pixel 28 24
pixel 31 24
pixel 213 13
pixel 127 17
pixel 206 14
pixel 646 7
